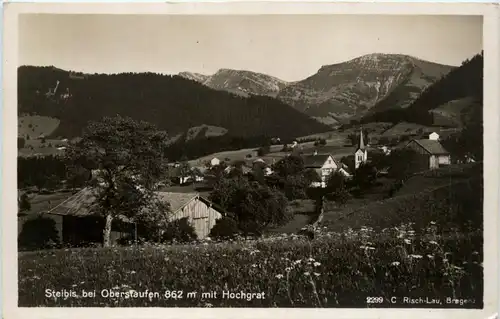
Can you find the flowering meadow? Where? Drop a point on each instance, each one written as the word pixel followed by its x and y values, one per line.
pixel 356 268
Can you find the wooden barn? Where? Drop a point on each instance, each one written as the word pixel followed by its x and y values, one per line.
pixel 432 153
pixel 200 212
pixel 77 224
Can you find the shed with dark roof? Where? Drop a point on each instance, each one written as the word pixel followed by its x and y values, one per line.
pixel 79 222
pixel 431 151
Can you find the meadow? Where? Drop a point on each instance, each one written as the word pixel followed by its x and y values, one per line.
pixel 333 270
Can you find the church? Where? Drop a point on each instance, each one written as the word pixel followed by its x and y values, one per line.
pixel 361 153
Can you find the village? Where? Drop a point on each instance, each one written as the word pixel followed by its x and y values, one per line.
pixel 188 186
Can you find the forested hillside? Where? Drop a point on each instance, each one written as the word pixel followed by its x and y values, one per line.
pixel 172 103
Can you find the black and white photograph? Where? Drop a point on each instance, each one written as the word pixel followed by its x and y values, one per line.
pixel 252 160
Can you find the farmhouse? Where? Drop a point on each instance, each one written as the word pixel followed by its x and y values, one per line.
pixel 432 153
pixel 324 165
pixel 77 223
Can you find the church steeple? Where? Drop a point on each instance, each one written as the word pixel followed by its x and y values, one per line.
pixel 361 144
pixel 361 153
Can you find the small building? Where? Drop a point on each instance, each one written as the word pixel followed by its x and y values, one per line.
pixel 77 223
pixel 432 153
pixel 214 161
pixel 200 212
pixel 361 153
pixel 324 165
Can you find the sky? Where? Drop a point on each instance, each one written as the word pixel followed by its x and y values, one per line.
pixel 285 46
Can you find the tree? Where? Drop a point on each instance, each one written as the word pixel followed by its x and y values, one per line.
pixel 224 228
pixel 129 158
pixel 289 165
pixel 295 186
pixel 266 149
pixel 365 176
pixel 180 230
pixel 24 203
pixel 254 206
pixel 38 233
pixel 403 163
pixel 334 182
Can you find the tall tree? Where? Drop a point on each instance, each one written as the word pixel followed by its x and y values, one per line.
pixel 289 165
pixel 24 203
pixel 129 159
pixel 254 206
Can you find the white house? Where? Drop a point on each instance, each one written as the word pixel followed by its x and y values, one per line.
pixel 324 165
pixel 214 161
pixel 361 153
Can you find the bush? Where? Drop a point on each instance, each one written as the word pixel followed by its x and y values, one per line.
pixel 180 230
pixel 38 233
pixel 224 228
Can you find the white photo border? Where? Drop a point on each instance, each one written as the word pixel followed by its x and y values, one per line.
pixel 491 36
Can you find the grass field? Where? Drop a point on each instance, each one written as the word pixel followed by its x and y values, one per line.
pixel 35 125
pixel 333 270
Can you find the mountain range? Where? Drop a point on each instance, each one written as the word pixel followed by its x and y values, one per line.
pixel 341 92
pixel 239 103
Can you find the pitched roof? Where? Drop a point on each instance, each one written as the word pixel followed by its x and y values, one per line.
pixel 176 200
pixel 315 161
pixel 80 204
pixel 83 203
pixel 432 146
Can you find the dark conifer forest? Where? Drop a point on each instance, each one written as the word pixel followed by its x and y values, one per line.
pixel 172 103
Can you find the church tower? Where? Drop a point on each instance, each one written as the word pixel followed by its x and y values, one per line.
pixel 361 153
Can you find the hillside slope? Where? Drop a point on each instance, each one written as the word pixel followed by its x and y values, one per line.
pixel 240 82
pixel 448 100
pixel 349 90
pixel 172 103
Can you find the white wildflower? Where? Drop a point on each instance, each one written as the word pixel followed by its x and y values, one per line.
pixel 316 264
pixel 407 241
pixel 316 274
pixel 416 256
pixel 395 263
pixel 306 273
pixel 279 276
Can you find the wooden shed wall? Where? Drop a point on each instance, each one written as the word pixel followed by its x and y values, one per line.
pixel 200 215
